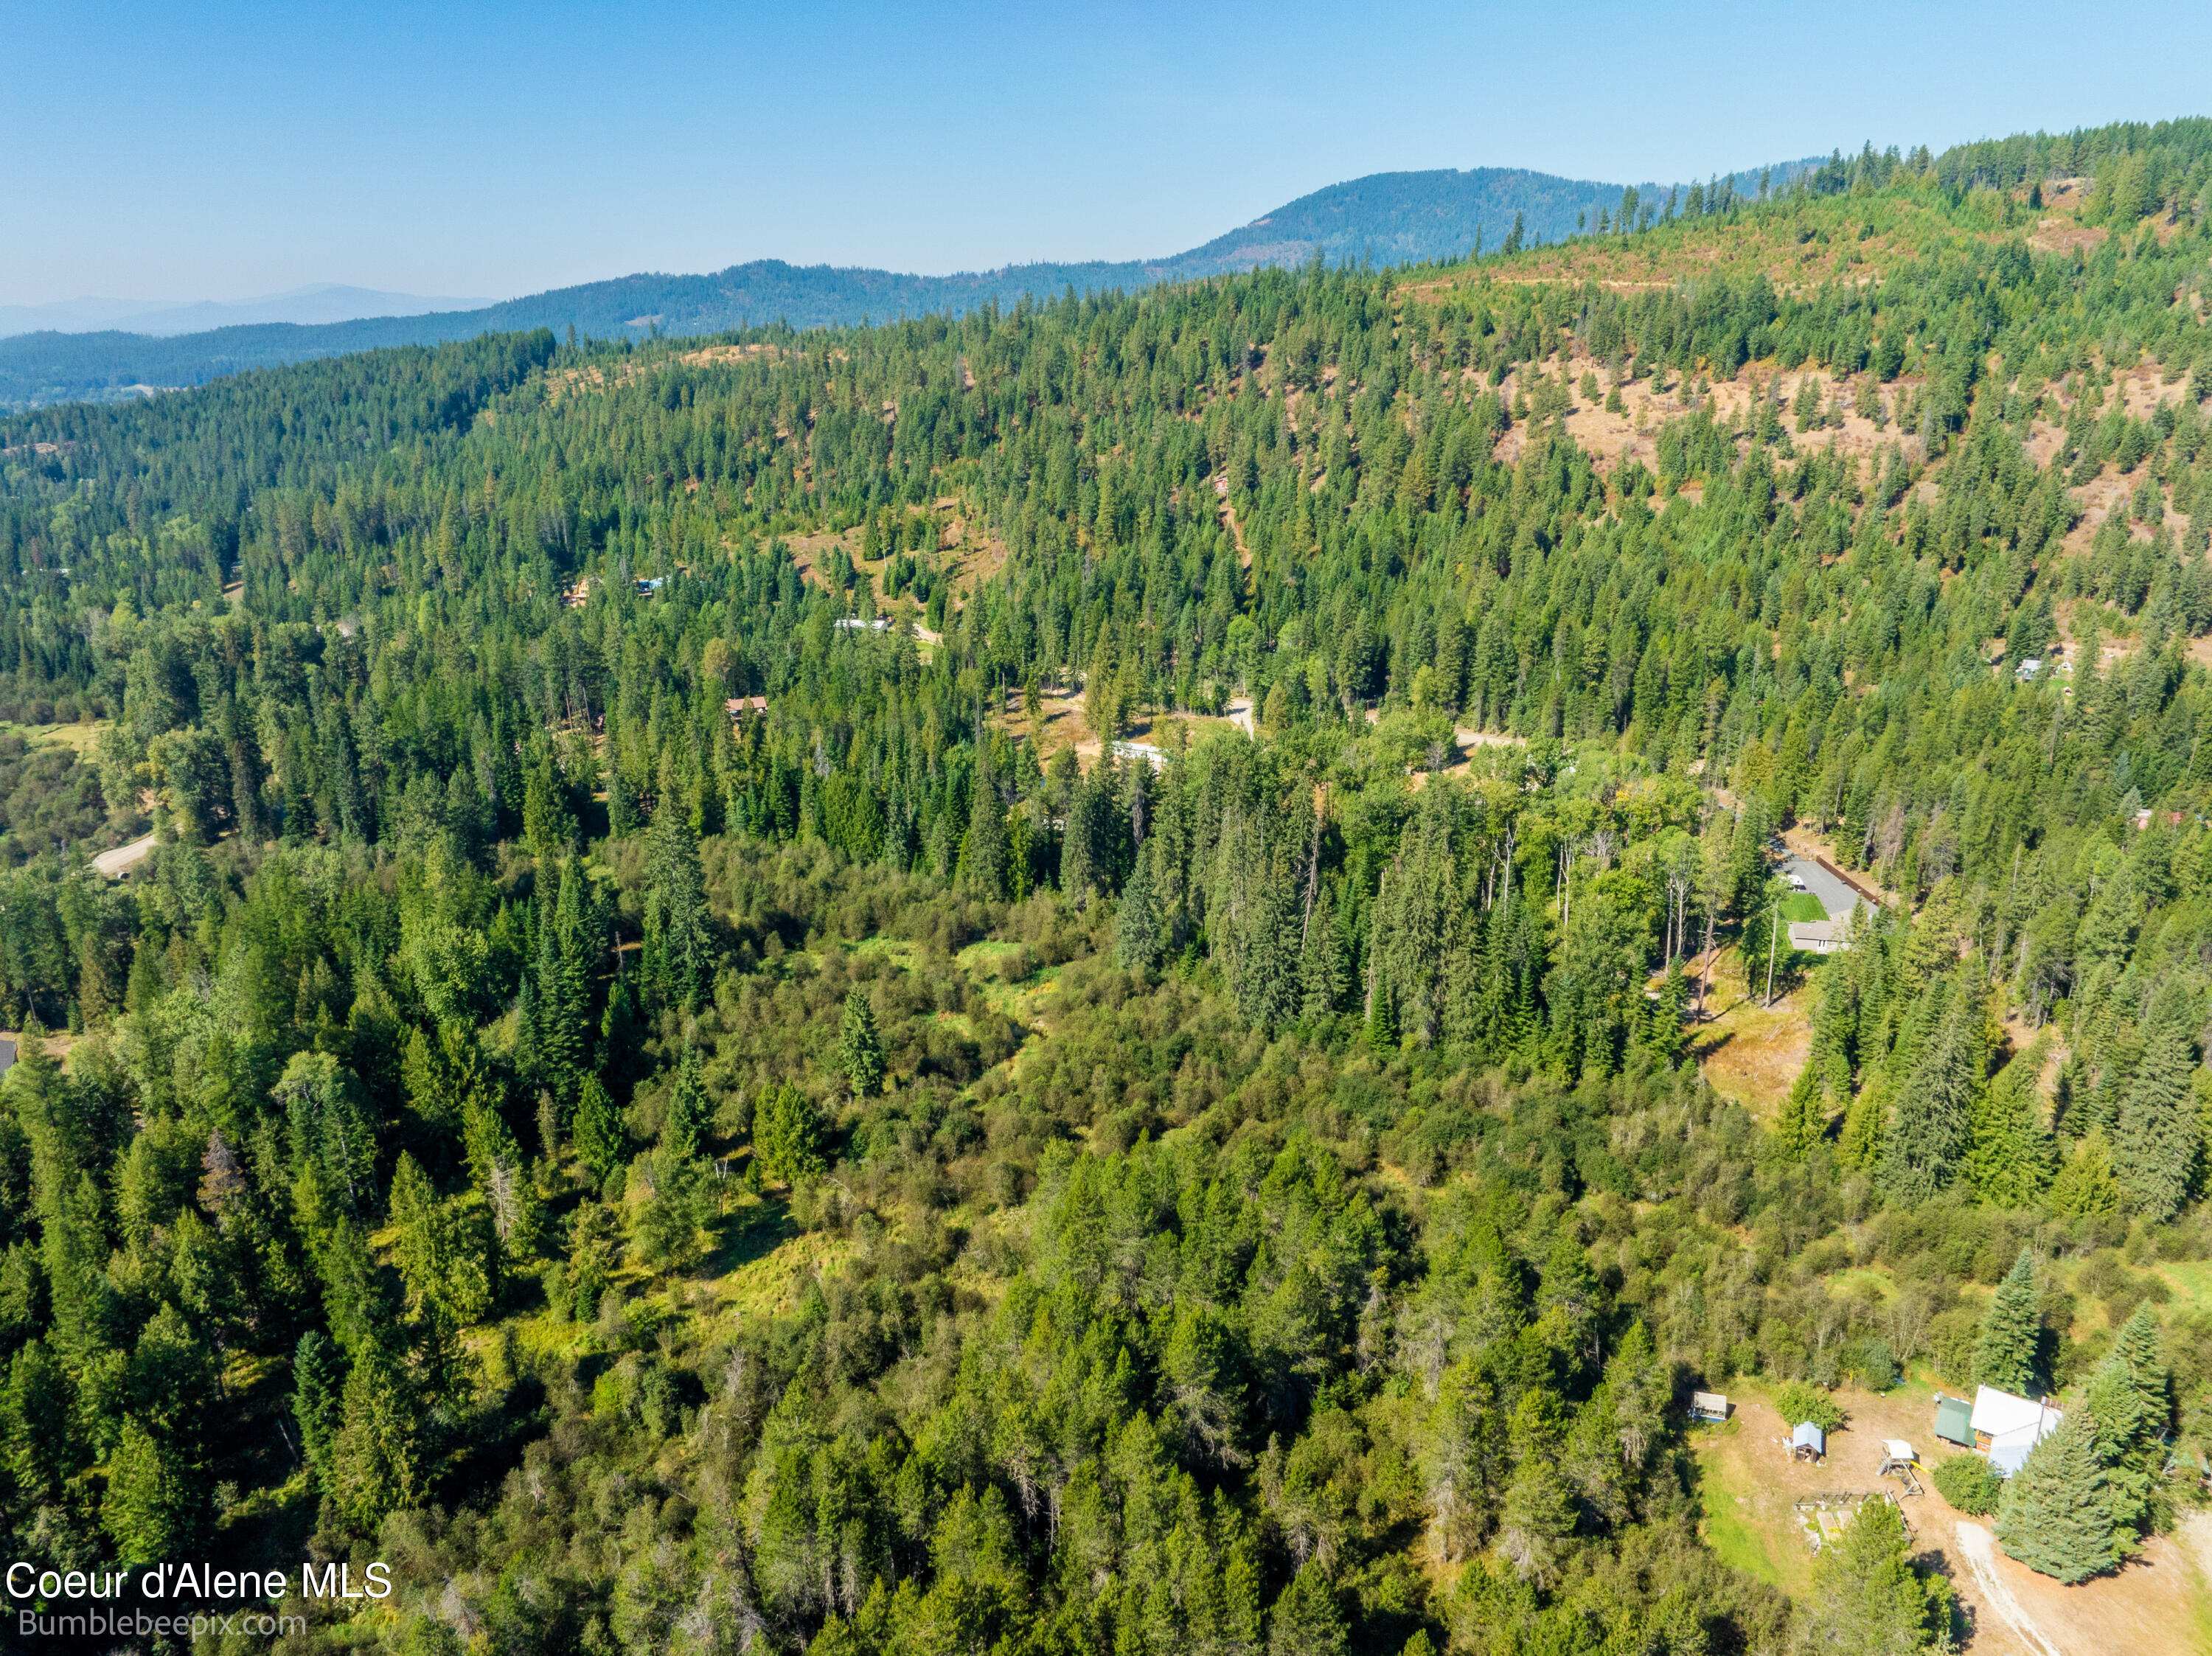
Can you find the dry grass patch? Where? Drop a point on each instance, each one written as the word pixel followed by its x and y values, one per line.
pixel 1749 1051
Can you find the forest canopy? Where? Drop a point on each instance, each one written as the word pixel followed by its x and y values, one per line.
pixel 1035 980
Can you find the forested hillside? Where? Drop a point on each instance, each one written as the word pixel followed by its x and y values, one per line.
pixel 684 1120
pixel 1387 218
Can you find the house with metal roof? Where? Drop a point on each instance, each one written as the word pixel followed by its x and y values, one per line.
pixel 2007 1426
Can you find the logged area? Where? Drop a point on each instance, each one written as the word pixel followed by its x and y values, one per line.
pixel 1329 960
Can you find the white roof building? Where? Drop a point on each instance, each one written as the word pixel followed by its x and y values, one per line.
pixel 2007 1426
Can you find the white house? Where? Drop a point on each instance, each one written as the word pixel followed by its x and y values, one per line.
pixel 1155 757
pixel 2007 1426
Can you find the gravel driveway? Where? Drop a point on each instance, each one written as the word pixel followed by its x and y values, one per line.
pixel 1838 899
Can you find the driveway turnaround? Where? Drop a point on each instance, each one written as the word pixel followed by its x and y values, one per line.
pixel 1838 899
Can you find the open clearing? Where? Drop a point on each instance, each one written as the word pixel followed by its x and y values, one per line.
pixel 2160 1601
pixel 81 737
pixel 1750 1052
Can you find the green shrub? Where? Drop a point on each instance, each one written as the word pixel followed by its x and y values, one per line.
pixel 1871 1362
pixel 1799 1402
pixel 1970 1484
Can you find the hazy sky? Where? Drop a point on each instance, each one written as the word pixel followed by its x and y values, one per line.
pixel 218 150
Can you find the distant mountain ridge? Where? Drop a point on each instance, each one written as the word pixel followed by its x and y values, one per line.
pixel 1387 218
pixel 324 302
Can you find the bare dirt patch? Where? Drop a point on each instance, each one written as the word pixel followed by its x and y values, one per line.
pixel 2098 497
pixel 2065 236
pixel 810 554
pixel 1059 725
pixel 1632 433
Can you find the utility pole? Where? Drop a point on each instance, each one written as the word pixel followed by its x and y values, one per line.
pixel 1773 925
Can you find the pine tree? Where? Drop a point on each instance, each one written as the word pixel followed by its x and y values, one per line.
pixel 2005 1356
pixel 690 1112
pixel 983 851
pixel 859 1048
pixel 1539 1513
pixel 1804 1114
pixel 1928 1142
pixel 2139 1347
pixel 1264 964
pixel 2085 1186
pixel 2010 1164
pixel 601 1143
pixel 591 1237
pixel 619 1036
pixel 317 1403
pixel 1382 1021
pixel 152 1506
pixel 668 1225
pixel 2129 1397
pixel 41 1451
pixel 548 826
pixel 331 1127
pixel 1859 1146
pixel 678 966
pixel 1868 1600
pixel 2057 1516
pixel 787 1134
pixel 1321 974
pixel 1305 1621
pixel 2156 1142
pixel 559 1005
pixel 378 1454
pixel 1138 942
pixel 1102 706
pixel 1668 1013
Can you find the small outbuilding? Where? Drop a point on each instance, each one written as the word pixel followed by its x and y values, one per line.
pixel 1955 1420
pixel 1709 1406
pixel 1808 1443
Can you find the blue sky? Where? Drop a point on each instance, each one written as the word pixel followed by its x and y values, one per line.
pixel 221 150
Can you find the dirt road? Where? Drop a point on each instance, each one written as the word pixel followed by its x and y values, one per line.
pixel 112 862
pixel 1980 1548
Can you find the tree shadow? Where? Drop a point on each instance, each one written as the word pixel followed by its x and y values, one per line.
pixel 752 1233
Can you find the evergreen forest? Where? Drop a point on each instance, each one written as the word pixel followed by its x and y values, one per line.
pixel 1045 980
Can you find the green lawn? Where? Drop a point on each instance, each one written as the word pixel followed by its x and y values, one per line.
pixel 1801 906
